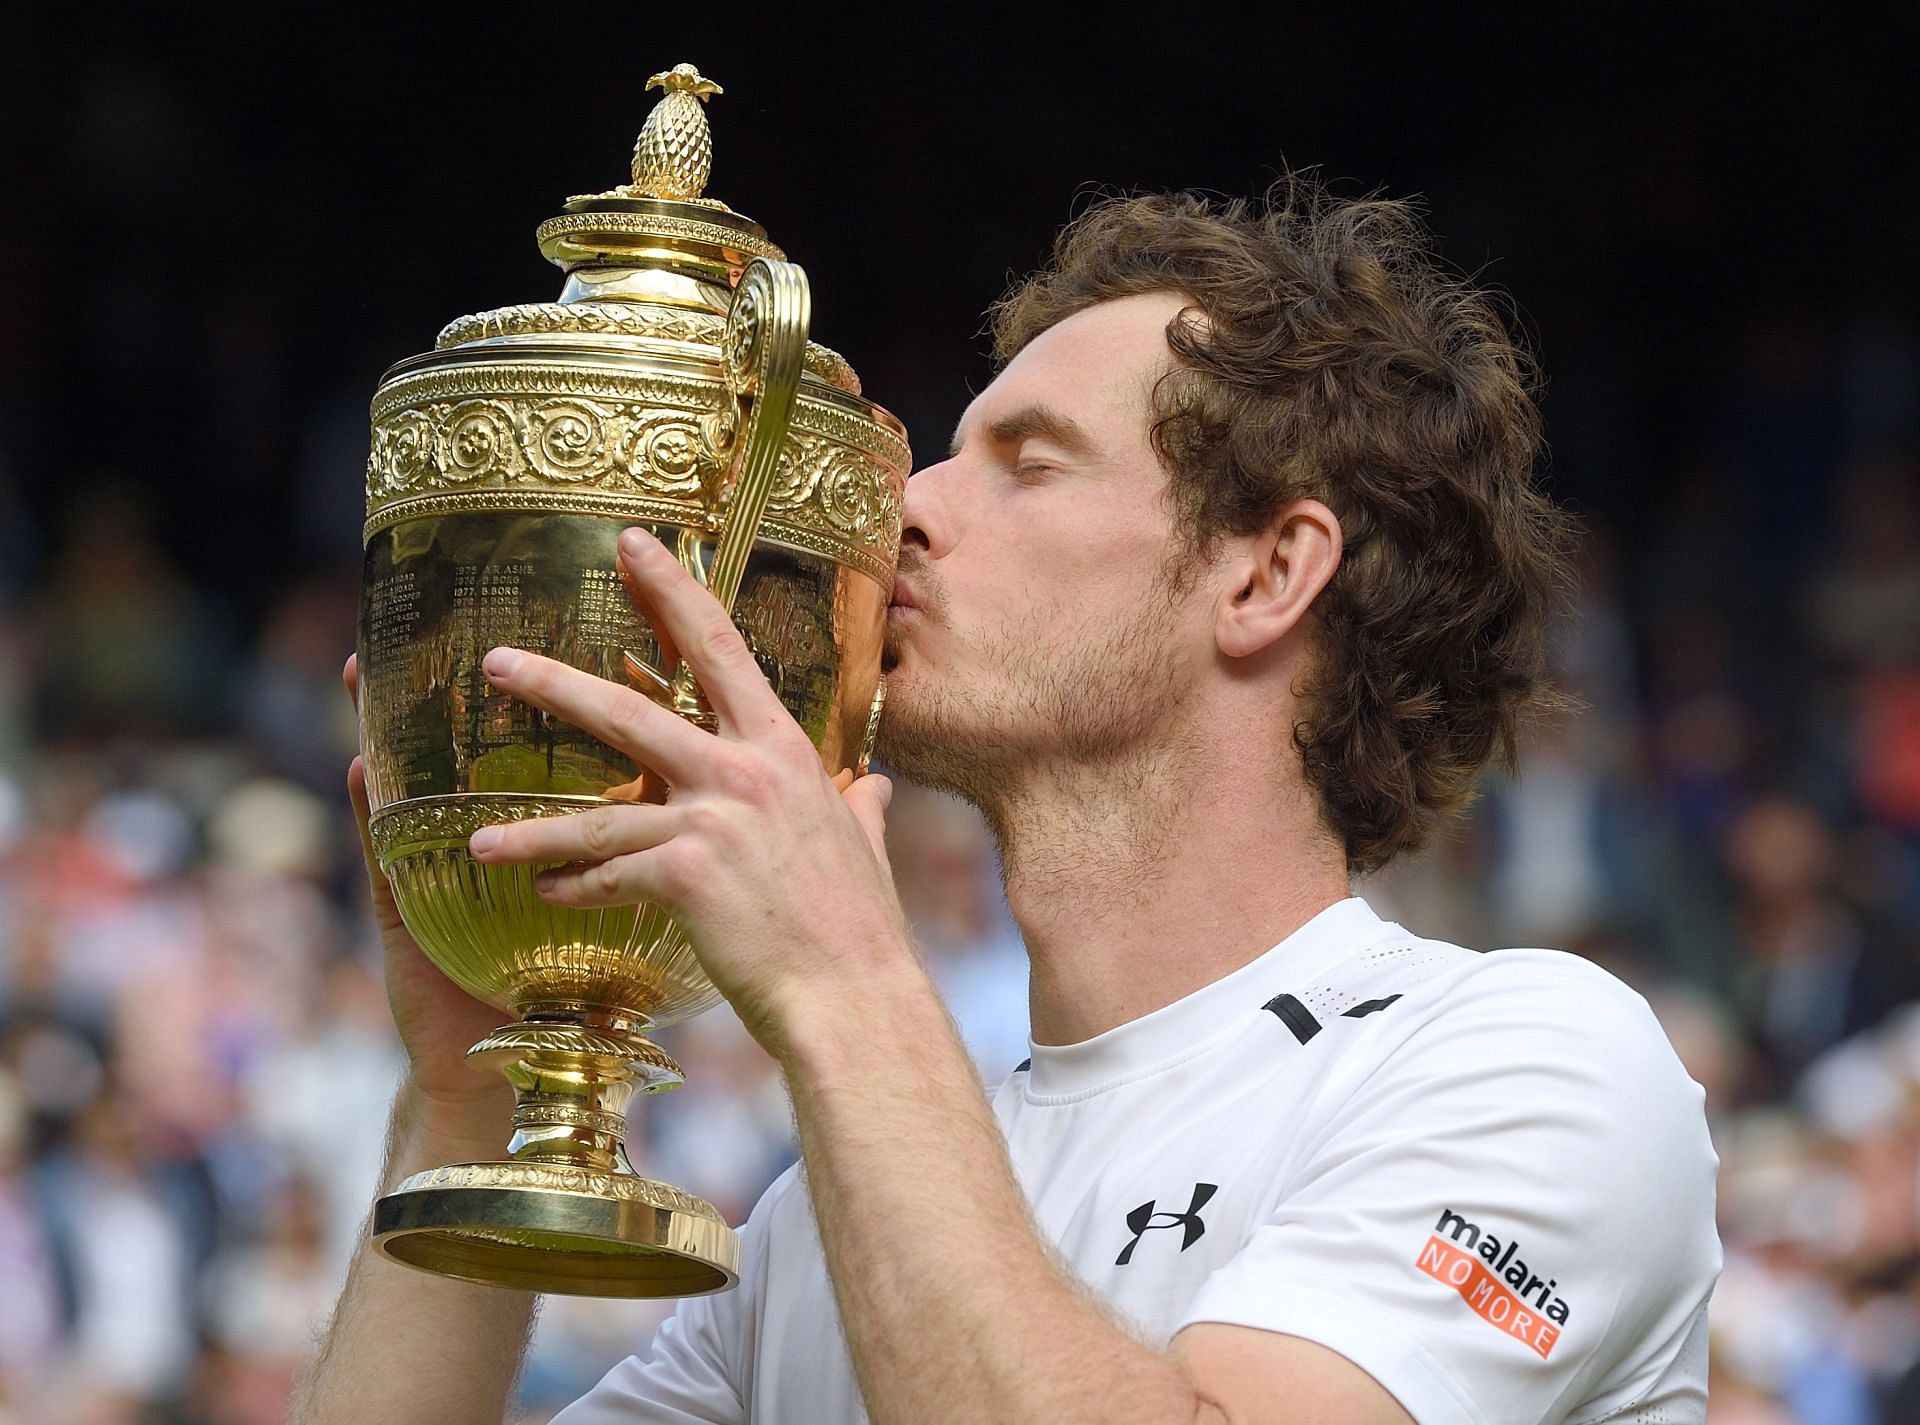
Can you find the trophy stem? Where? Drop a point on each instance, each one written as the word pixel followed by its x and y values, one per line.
pixel 564 1211
pixel 574 1072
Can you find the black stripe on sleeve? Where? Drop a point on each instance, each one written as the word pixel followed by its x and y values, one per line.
pixel 1367 1007
pixel 1294 1015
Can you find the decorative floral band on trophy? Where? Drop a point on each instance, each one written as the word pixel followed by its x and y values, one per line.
pixel 673 386
pixel 545 428
pixel 628 319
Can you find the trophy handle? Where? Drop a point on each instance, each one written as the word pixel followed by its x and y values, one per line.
pixel 873 727
pixel 763 355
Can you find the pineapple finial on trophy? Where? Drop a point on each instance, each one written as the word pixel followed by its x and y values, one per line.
pixel 674 154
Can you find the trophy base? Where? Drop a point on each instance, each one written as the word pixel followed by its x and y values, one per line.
pixel 570 1230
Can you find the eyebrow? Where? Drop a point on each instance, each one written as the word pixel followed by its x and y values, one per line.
pixel 1042 421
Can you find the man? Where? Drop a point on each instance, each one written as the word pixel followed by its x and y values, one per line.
pixel 1233 582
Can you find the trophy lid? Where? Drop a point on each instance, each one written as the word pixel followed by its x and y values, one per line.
pixel 664 213
pixel 654 258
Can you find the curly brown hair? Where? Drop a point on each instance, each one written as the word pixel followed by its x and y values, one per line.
pixel 1331 357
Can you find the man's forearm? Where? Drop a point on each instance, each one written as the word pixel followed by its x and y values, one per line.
pixel 404 1345
pixel 954 1308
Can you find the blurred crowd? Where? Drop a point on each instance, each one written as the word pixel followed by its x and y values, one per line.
pixel 196 1057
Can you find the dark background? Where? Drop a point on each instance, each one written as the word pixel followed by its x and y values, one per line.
pixel 257 210
pixel 218 224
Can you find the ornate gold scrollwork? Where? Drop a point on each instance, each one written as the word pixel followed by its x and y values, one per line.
pixel 484 436
pixel 408 827
pixel 641 320
pixel 561 1179
pixel 568 441
pixel 652 225
pixel 476 439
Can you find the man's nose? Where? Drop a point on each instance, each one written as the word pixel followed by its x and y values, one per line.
pixel 924 514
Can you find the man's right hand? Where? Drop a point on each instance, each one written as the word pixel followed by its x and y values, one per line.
pixel 438 1021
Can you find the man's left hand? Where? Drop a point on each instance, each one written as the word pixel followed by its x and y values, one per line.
pixel 777 870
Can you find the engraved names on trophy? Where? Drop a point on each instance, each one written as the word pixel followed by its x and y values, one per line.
pixel 389 647
pixel 392 614
pixel 487 613
pixel 436 725
pixel 605 618
pixel 486 604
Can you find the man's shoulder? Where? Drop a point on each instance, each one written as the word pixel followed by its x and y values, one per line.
pixel 785 1198
pixel 1531 1021
pixel 1554 995
pixel 1448 983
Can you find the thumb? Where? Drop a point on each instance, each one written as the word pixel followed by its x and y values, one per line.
pixel 868 799
pixel 386 911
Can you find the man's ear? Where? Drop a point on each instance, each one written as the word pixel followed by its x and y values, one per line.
pixel 1275 576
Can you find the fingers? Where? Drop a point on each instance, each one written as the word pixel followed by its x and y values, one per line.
pixel 357 769
pixel 386 911
pixel 619 717
pixel 613 841
pixel 693 621
pixel 868 798
pixel 357 794
pixel 597 835
pixel 669 654
pixel 624 880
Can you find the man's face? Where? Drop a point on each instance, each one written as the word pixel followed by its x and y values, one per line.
pixel 1034 623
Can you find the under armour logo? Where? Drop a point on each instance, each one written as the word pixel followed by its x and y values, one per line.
pixel 1143 1219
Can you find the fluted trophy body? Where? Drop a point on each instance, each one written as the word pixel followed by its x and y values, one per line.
pixel 672 386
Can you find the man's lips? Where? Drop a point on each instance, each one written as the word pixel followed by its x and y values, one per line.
pixel 903 597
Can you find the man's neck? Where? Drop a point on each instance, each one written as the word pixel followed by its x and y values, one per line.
pixel 1135 886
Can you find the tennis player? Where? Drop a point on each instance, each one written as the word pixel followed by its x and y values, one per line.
pixel 1234 580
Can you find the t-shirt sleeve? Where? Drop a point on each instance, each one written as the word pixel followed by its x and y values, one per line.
pixel 684 1381
pixel 696 1372
pixel 1504 1212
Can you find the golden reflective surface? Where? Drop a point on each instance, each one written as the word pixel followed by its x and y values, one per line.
pixel 557 1230
pixel 671 386
pixel 446 753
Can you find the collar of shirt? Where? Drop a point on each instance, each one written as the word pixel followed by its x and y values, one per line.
pixel 1177 1031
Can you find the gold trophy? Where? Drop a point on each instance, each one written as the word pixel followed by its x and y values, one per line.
pixel 671 386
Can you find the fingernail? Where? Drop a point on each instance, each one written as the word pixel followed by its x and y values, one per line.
pixel 635 542
pixel 545 881
pixel 484 840
pixel 501 662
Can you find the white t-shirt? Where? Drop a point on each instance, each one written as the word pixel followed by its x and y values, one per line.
pixel 1484 1179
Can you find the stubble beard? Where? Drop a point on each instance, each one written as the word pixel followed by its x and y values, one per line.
pixel 1089 703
